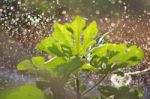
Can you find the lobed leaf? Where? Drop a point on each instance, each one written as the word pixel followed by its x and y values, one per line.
pixel 70 39
pixel 110 57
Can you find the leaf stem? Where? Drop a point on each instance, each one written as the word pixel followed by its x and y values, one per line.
pixel 88 90
pixel 87 77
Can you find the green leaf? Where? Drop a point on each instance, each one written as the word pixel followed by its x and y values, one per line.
pixel 64 70
pixel 45 44
pixel 88 67
pixel 110 57
pixel 102 37
pixel 38 61
pixel 57 66
pixel 56 50
pixel 47 70
pixel 119 54
pixel 89 34
pixel 62 35
pixel 27 91
pixel 120 93
pixel 24 65
pixel 70 39
pixel 78 26
pixel 38 66
pixel 53 64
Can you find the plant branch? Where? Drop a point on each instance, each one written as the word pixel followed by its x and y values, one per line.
pixel 138 72
pixel 88 90
pixel 87 77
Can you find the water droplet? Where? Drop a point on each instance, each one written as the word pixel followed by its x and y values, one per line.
pixel 97 12
pixel 64 12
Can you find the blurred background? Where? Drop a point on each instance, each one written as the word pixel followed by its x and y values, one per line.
pixel 24 23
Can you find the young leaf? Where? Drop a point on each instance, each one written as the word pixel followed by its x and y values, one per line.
pixel 77 26
pixel 70 39
pixel 89 34
pixel 62 35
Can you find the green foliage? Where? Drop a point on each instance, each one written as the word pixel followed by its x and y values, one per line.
pixel 39 67
pixel 88 67
pixel 71 39
pixel 64 70
pixel 56 67
pixel 110 57
pixel 107 92
pixel 77 52
pixel 27 91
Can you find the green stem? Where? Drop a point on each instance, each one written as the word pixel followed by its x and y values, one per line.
pixel 87 77
pixel 88 90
